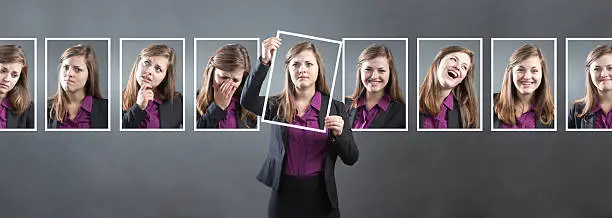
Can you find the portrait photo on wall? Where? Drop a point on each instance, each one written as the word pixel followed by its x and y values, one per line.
pixel 153 83
pixel 374 81
pixel 77 84
pixel 449 81
pixel 18 86
pixel 589 84
pixel 523 84
pixel 221 68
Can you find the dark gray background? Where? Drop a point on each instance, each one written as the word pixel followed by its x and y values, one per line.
pixel 399 174
pixel 28 49
pixel 328 51
pixel 576 56
pixel 352 50
pixel 55 48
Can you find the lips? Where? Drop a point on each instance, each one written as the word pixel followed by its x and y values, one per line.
pixel 527 83
pixel 6 86
pixel 453 73
pixel 374 82
pixel 607 79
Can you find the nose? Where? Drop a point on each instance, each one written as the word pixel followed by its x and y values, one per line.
pixel 528 75
pixel 302 68
pixel 69 72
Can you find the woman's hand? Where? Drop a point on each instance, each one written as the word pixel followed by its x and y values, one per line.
pixel 270 45
pixel 335 124
pixel 145 94
pixel 223 94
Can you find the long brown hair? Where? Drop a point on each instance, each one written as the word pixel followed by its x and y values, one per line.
pixel 165 90
pixel 465 92
pixel 590 94
pixel 19 96
pixel 92 88
pixel 392 88
pixel 542 99
pixel 231 57
pixel 287 108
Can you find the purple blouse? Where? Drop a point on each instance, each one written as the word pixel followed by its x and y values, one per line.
pixel 230 117
pixel 440 121
pixel 306 149
pixel 151 120
pixel 526 121
pixel 81 120
pixel 364 118
pixel 4 109
pixel 602 120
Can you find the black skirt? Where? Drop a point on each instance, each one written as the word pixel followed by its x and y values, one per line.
pixel 301 197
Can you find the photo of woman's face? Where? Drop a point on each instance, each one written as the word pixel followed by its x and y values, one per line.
pixel 9 75
pixel 73 73
pixel 151 70
pixel 234 78
pixel 452 69
pixel 527 75
pixel 601 73
pixel 375 74
pixel 304 69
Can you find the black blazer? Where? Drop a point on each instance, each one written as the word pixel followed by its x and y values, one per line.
pixel 25 120
pixel 343 145
pixel 393 118
pixel 98 118
pixel 575 122
pixel 170 114
pixel 214 114
pixel 454 117
pixel 497 122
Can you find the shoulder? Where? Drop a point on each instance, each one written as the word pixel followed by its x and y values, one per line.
pixel 577 108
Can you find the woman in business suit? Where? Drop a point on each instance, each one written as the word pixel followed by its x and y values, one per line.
pixel 525 100
pixel 218 102
pixel 16 109
pixel 300 164
pixel 150 99
pixel 377 101
pixel 447 97
pixel 593 110
pixel 77 103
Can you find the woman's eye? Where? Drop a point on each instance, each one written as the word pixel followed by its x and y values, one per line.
pixel 609 68
pixel 453 59
pixel 464 68
pixel 15 75
pixel 309 64
pixel 146 63
pixel 294 65
pixel 597 69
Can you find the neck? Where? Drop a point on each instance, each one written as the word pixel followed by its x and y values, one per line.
pixel 2 96
pixel 76 97
pixel 524 100
pixel 304 94
pixel 605 97
pixel 443 94
pixel 374 96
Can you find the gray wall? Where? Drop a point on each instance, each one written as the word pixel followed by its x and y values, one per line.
pixel 55 48
pixel 399 174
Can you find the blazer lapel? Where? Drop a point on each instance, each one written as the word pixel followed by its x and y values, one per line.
pixel 421 120
pixel 164 114
pixel 239 123
pixel 12 121
pixel 381 118
pixel 323 110
pixel 453 116
pixel 94 119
